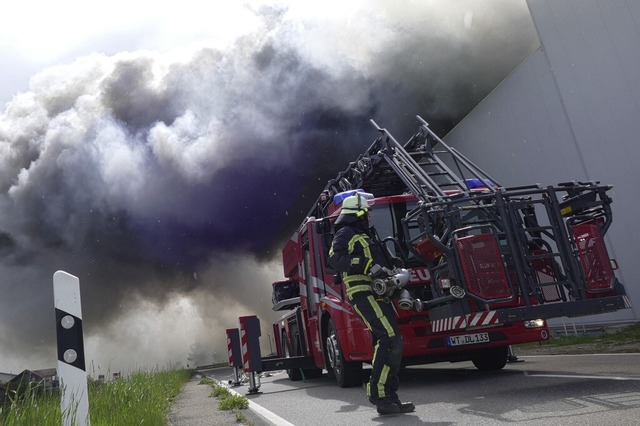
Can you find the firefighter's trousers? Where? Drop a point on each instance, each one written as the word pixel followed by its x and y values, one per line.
pixel 379 317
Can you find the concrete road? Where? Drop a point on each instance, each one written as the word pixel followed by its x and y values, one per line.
pixel 541 390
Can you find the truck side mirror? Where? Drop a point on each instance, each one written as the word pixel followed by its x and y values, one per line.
pixel 323 226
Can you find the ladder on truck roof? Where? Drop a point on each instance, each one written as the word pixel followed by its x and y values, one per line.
pixel 389 168
pixel 547 268
pixel 424 170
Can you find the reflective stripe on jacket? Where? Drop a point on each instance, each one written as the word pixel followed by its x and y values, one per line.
pixel 353 254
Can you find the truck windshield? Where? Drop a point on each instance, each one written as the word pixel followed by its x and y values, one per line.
pixel 387 220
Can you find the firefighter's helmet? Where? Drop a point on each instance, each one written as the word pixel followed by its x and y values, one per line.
pixel 357 204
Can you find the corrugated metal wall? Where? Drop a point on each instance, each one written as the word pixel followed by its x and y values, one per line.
pixel 572 112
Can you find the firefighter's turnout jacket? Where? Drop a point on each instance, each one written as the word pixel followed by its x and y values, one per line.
pixel 353 253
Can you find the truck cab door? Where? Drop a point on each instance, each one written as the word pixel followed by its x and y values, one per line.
pixel 314 288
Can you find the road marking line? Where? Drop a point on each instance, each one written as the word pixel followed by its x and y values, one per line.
pixel 578 376
pixel 610 354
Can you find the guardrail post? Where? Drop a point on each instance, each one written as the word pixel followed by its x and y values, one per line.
pixel 74 403
pixel 235 355
pixel 251 356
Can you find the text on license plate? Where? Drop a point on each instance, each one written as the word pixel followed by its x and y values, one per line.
pixel 468 339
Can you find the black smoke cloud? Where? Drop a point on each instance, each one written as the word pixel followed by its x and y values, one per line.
pixel 151 177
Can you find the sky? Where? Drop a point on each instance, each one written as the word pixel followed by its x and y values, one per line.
pixel 164 153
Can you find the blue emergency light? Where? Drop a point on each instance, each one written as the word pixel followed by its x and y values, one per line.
pixel 477 183
pixel 340 196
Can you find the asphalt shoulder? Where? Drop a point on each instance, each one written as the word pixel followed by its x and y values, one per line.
pixel 195 406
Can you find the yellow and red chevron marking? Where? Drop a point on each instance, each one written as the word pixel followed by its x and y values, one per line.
pixel 463 321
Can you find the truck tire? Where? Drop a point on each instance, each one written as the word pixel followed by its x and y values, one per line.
pixel 347 373
pixel 491 359
pixel 294 374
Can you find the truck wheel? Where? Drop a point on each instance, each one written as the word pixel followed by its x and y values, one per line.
pixel 491 359
pixel 294 374
pixel 347 373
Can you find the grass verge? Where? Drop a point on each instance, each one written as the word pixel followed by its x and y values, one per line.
pixel 142 398
pixel 625 340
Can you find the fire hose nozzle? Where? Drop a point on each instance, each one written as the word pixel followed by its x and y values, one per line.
pixel 379 286
pixel 405 301
pixel 385 282
pixel 401 277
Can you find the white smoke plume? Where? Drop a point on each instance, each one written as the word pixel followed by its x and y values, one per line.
pixel 168 183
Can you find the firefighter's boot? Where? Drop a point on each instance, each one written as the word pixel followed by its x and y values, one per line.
pixel 405 407
pixel 386 406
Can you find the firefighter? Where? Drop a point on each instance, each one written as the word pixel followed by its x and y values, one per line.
pixel 353 252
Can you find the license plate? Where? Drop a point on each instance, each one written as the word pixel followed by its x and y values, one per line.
pixel 468 339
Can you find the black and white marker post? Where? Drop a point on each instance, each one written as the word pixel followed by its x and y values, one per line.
pixel 71 366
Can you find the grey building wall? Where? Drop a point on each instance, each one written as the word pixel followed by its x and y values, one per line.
pixel 571 111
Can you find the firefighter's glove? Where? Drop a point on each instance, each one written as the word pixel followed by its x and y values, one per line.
pixel 337 279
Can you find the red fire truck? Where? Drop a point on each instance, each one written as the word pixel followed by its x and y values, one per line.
pixel 488 263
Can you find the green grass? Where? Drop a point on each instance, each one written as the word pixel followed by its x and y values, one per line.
pixel 207 381
pixel 228 401
pixel 142 398
pixel 234 402
pixel 220 392
pixel 626 335
pixel 32 409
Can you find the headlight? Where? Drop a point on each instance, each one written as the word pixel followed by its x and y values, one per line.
pixel 536 323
